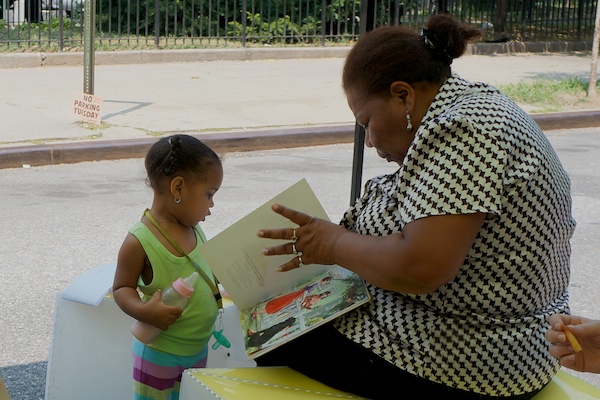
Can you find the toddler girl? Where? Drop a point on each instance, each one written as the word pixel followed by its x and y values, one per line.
pixel 184 175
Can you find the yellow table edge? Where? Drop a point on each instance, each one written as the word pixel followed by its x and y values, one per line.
pixel 250 384
pixel 287 384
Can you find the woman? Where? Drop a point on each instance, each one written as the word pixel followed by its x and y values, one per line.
pixel 465 248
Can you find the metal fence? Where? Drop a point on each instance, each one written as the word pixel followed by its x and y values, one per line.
pixel 58 25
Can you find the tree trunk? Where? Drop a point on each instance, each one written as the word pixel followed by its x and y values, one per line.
pixel 595 44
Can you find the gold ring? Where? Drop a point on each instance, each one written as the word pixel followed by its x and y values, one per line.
pixel 294 237
pixel 294 248
pixel 300 263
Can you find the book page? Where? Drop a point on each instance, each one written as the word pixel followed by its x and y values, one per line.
pixel 304 307
pixel 235 254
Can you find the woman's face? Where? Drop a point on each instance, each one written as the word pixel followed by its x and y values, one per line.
pixel 384 120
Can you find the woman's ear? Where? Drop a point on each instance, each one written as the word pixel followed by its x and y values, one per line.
pixel 403 92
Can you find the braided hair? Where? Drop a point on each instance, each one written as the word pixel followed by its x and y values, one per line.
pixel 179 155
pixel 397 53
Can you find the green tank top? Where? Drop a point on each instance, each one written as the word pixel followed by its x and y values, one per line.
pixel 191 332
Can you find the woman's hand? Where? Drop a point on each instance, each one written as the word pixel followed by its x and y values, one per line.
pixel 586 331
pixel 314 242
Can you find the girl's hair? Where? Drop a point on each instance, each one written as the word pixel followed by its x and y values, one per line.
pixel 395 53
pixel 179 155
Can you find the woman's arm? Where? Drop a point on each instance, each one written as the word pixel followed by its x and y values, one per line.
pixel 427 254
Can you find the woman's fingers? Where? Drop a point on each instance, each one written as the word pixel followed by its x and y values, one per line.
pixel 292 264
pixel 287 248
pixel 310 242
pixel 296 217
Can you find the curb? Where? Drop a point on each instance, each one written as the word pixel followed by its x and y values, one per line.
pixel 234 141
pixel 221 142
pixel 36 60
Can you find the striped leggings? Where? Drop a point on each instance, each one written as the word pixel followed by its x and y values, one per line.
pixel 157 375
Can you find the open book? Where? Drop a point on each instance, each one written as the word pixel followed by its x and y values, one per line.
pixel 279 306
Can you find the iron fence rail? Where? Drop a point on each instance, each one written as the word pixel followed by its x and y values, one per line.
pixel 57 25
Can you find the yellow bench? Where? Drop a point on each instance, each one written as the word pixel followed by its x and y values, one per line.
pixel 567 387
pixel 283 383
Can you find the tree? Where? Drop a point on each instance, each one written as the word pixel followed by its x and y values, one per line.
pixel 595 44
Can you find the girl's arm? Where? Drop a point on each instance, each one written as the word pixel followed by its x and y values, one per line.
pixel 130 264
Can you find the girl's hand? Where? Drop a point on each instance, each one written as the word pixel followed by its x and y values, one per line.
pixel 159 314
pixel 314 243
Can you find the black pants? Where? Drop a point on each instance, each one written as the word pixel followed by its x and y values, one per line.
pixel 330 358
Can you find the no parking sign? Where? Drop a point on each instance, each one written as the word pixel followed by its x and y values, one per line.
pixel 87 107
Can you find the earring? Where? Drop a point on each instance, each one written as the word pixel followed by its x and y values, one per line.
pixel 409 125
pixel 177 200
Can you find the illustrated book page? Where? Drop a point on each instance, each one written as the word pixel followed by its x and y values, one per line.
pixel 311 295
pixel 304 307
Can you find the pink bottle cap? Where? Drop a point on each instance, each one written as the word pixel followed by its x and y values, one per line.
pixel 183 288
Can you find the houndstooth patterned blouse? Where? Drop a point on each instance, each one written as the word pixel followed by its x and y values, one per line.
pixel 475 151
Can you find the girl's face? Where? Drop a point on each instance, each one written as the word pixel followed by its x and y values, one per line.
pixel 384 120
pixel 197 199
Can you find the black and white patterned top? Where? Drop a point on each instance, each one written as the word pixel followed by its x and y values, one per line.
pixel 475 151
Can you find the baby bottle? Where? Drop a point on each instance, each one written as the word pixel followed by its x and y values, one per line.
pixel 175 295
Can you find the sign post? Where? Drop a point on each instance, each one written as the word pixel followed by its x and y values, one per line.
pixel 367 23
pixel 86 106
pixel 88 46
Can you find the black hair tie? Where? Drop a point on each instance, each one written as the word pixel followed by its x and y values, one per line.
pixel 433 43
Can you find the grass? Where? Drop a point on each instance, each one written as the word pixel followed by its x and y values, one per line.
pixel 545 95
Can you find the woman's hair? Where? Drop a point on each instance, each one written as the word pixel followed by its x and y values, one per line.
pixel 396 53
pixel 179 155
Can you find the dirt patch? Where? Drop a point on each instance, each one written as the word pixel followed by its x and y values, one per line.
pixel 565 102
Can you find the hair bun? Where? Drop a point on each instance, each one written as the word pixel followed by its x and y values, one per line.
pixel 448 37
pixel 431 40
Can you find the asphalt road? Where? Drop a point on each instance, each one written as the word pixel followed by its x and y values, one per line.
pixel 61 220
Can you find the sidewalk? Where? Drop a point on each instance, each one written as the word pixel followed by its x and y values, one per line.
pixel 233 104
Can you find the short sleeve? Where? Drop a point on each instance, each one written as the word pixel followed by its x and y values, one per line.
pixel 453 167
